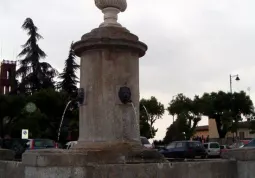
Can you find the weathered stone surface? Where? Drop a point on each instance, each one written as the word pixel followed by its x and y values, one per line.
pixel 109 60
pixel 83 157
pixel 110 38
pixel 210 169
pixel 11 169
pixel 245 169
pixel 241 154
pixel 7 155
pixel 120 4
pixel 245 158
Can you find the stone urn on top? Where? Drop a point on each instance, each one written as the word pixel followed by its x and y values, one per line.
pixel 111 9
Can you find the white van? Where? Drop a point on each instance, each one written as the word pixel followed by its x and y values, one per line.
pixel 212 149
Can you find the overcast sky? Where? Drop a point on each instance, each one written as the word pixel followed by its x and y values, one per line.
pixel 194 45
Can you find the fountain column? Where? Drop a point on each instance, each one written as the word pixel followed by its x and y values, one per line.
pixel 109 140
pixel 109 64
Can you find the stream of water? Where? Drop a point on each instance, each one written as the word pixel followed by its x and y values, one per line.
pixel 60 126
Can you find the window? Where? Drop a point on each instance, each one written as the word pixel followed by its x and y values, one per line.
pixel 4 90
pixel 171 145
pixel 10 89
pixel 195 144
pixel 8 74
pixel 180 145
pixel 43 143
pixel 241 135
pixel 214 145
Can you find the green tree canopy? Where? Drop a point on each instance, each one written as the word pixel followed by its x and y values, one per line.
pixel 10 108
pixel 226 108
pixel 150 111
pixel 68 77
pixel 44 122
pixel 188 116
pixel 35 75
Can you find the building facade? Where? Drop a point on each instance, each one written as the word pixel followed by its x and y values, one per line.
pixel 7 77
pixel 243 130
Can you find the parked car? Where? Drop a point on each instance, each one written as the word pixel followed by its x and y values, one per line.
pixel 250 144
pixel 184 149
pixel 146 143
pixel 224 148
pixel 212 149
pixel 239 144
pixel 41 144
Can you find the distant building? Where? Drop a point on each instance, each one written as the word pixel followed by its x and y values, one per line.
pixel 7 77
pixel 243 130
pixel 202 131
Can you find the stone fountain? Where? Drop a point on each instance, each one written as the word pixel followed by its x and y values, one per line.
pixel 109 135
pixel 109 142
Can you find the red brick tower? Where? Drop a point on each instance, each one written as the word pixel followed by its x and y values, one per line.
pixel 7 76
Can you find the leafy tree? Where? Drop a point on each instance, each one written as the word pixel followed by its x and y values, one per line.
pixel 226 108
pixel 10 109
pixel 188 115
pixel 181 104
pixel 242 106
pixel 68 76
pixel 35 75
pixel 174 132
pixel 150 111
pixel 31 121
pixel 44 121
pixel 51 104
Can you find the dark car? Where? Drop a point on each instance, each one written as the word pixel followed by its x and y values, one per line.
pixel 33 144
pixel 239 143
pixel 250 144
pixel 184 149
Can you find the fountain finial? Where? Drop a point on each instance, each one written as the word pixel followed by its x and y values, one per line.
pixel 111 9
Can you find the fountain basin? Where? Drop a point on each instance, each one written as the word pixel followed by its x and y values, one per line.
pixel 210 169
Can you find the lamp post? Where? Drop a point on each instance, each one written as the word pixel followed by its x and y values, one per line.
pixel 172 100
pixel 230 80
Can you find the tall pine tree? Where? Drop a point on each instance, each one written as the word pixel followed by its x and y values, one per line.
pixel 35 75
pixel 68 77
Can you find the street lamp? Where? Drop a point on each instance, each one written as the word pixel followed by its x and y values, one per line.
pixel 172 100
pixel 230 80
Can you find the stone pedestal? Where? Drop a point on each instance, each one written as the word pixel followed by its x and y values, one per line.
pixel 6 155
pixel 245 160
pixel 208 169
pixel 109 129
pixel 109 60
pixel 108 124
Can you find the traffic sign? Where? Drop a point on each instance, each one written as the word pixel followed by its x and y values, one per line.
pixel 24 134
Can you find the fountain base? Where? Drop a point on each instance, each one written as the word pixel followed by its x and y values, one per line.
pixel 95 164
pixel 125 153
